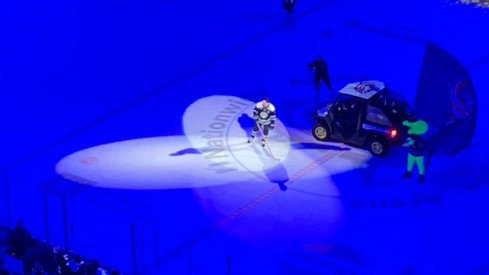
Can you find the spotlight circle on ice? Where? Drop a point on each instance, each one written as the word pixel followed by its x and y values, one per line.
pixel 213 152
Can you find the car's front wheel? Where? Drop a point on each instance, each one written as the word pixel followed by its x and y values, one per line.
pixel 320 132
pixel 378 147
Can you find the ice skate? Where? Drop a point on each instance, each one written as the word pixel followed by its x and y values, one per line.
pixel 263 142
pixel 406 175
pixel 251 139
pixel 421 179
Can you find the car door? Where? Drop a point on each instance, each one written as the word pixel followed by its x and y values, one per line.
pixel 346 115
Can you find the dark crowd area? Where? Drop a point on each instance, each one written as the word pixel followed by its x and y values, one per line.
pixel 20 253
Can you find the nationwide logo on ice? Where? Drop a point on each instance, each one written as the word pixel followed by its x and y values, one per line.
pixel 215 136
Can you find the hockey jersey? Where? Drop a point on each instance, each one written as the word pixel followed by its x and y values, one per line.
pixel 264 115
pixel 417 145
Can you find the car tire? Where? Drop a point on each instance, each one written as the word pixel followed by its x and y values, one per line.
pixel 378 147
pixel 320 132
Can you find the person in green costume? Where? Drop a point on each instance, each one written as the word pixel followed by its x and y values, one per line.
pixel 417 146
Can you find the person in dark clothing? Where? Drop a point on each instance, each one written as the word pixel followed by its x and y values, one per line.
pixel 60 262
pixel 38 269
pixel 89 268
pixel 288 5
pixel 20 240
pixel 320 73
pixel 37 253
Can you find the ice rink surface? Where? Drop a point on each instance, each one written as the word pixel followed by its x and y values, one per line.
pixel 139 112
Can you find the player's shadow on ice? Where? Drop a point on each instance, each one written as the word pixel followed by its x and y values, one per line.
pixel 311 145
pixel 277 174
pixel 187 151
pixel 246 122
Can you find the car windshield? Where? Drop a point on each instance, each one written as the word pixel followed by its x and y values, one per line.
pixel 398 99
pixel 375 115
pixel 392 103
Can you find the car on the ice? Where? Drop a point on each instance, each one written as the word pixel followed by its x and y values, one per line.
pixel 363 114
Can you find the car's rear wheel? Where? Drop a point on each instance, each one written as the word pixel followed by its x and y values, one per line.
pixel 378 147
pixel 320 132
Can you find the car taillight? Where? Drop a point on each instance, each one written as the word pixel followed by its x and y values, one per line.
pixel 393 133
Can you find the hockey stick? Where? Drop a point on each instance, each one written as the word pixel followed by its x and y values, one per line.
pixel 266 142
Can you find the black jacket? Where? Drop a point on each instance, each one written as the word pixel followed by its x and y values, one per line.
pixel 320 67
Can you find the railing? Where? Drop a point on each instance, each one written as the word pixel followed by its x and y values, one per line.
pixel 46 215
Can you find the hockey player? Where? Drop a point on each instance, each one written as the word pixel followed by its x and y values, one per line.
pixel 288 5
pixel 320 73
pixel 264 117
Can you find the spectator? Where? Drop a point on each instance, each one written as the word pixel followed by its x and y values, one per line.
pixel 89 268
pixel 41 253
pixel 61 263
pixel 38 269
pixel 20 240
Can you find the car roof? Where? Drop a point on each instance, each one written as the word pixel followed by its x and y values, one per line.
pixel 363 89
